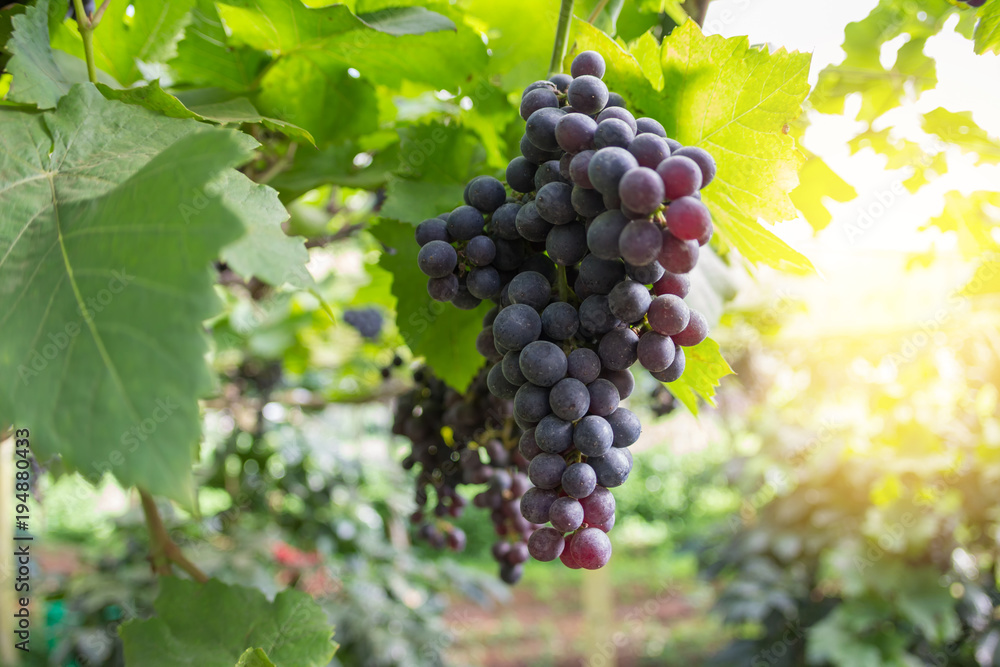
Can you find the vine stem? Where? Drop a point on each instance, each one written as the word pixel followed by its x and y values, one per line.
pixel 563 283
pixel 597 10
pixel 562 36
pixel 163 550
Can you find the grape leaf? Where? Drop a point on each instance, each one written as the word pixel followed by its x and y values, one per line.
pixel 37 78
pixel 959 129
pixel 335 165
pixel 520 49
pixel 817 182
pixel 444 335
pixel 131 31
pixel 105 247
pixel 972 217
pixel 211 624
pixel 736 102
pixel 6 30
pixel 254 657
pixel 205 59
pixel 705 367
pixel 988 28
pixel 407 21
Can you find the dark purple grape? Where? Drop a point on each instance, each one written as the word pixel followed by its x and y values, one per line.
pixel 599 276
pixel 528 447
pixel 444 288
pixel 629 301
pixel 535 504
pixel 588 63
pixel 591 548
pixel 649 150
pixel 681 176
pixel 613 468
pixel 483 282
pixel 546 544
pixel 604 234
pixel 622 379
pixel 668 314
pixel 656 351
pixel 579 480
pixel 541 83
pixel 560 321
pixel 705 162
pixel 641 190
pixel 480 251
pixel 521 174
pixel 604 396
pixel 613 132
pixel 498 384
pixel 539 263
pixel 575 132
pixel 512 368
pixel 566 514
pixel 530 288
pixel 676 369
pixel 565 557
pixel 596 318
pixel 541 128
pixel 569 400
pixel 564 163
pixel 530 224
pixel 434 229
pixel 531 402
pixel 626 427
pixel 618 348
pixel 545 470
pixel 678 284
pixel 640 242
pixel 599 506
pixel 554 202
pixel 465 300
pixel 587 94
pixel 554 435
pixel 504 222
pixel 677 256
pixel 618 113
pixel 583 364
pixel 511 574
pixel 647 274
pixel 561 81
pixel 548 172
pixel 688 219
pixel 649 126
pixel 543 363
pixel 536 99
pixel 695 332
pixel 567 244
pixel 437 259
pixel 674 145
pixel 516 326
pixel 607 166
pixel 485 347
pixel 465 222
pixel 578 169
pixel 593 436
pixel 486 193
pixel 587 203
pixel 533 153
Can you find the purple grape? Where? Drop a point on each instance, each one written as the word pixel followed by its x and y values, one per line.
pixel 688 219
pixel 695 332
pixel 641 190
pixel 650 126
pixel 640 242
pixel 480 251
pixel 530 224
pixel 569 400
pixel 656 351
pixel 566 514
pixel 596 318
pixel 579 480
pixel 626 427
pixel 681 176
pixel 437 259
pixel 622 379
pixel 541 128
pixel 587 94
pixel 583 364
pixel 599 506
pixel 535 504
pixel 539 98
pixel 593 436
pixel 587 203
pixel 546 544
pixel 578 169
pixel 465 222
pixel 591 548
pixel 668 314
pixel 434 229
pixel 613 468
pixel 561 82
pixel 554 435
pixel 543 363
pixel 521 174
pixel 613 132
pixel 512 369
pixel 486 193
pixel 604 234
pixel 649 150
pixel 618 348
pixel 560 321
pixel 604 396
pixel 678 284
pixel 705 161
pixel 444 288
pixel 567 244
pixel 629 301
pixel 676 369
pixel 588 63
pixel 530 288
pixel 554 202
pixel 516 326
pixel 677 256
pixel 607 166
pixel 575 132
pixel 527 446
pixel 548 172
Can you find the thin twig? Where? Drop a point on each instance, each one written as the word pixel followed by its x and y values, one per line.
pixel 163 550
pixel 279 165
pixel 562 37
pixel 597 10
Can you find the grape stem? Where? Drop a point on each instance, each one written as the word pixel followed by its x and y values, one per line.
pixel 87 25
pixel 163 550
pixel 562 36
pixel 563 283
pixel 597 10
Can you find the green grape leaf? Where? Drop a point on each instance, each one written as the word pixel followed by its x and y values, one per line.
pixel 37 78
pixel 211 624
pixel 972 218
pixel 444 335
pixel 6 30
pixel 105 249
pixel 265 251
pixel 987 33
pixel 704 369
pixel 817 182
pixel 735 102
pixel 435 163
pixel 210 105
pixel 205 59
pixel 131 32
pixel 254 657
pixel 959 129
pixel 407 21
pixel 334 165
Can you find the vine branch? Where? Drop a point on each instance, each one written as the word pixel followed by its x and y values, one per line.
pixel 87 25
pixel 164 552
pixel 562 36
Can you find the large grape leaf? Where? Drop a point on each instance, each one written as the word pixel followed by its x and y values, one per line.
pixel 205 59
pixel 736 102
pixel 218 625
pixel 131 31
pixel 37 78
pixel 817 182
pixel 705 367
pixel 106 241
pixel 988 28
pixel 444 335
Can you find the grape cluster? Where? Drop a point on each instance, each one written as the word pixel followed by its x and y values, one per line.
pixel 587 262
pixel 461 440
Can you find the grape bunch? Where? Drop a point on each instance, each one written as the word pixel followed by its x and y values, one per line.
pixel 587 262
pixel 465 440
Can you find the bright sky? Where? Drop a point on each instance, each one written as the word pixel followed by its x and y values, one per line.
pixel 863 268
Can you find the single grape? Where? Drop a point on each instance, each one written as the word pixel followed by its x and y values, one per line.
pixel 531 402
pixel 641 190
pixel 541 83
pixel 531 288
pixel 705 161
pixel 588 63
pixel 591 548
pixel 498 385
pixel 613 468
pixel 655 351
pixel 517 325
pixel 533 153
pixel 587 203
pixel 607 166
pixel 545 470
pixel 593 436
pixel 681 176
pixel 519 553
pixel 668 314
pixel 465 300
pixel 650 126
pixel 599 276
pixel 706 235
pixel 575 132
pixel 560 320
pixel 599 506
pixel 566 244
pixel 618 348
pixel 640 242
pixel 541 127
pixel 676 255
pixel 626 427
pixel 613 201
pixel 607 525
pixel 695 332
pixel 486 193
pixel 535 504
pixel 674 145
pixel 604 396
pixel 615 100
pixel 604 234
pixel 434 229
pixel 554 202
pixel 587 94
pixel 548 172
pixel 629 301
pixel 622 379
pixel 583 364
pixel 596 318
pixel 566 514
pixel 465 222
pixel 527 446
pixel 676 369
pixel 613 132
pixel 503 222
pixel 579 480
pixel 483 282
pixel 546 544
pixel 678 284
pixel 511 574
pixel 569 400
pixel 512 368
pixel 543 363
pixel 444 288
pixel 530 224
pixel 578 169
pixel 536 99
pixel 647 274
pixel 649 150
pixel 480 251
pixel 688 219
pixel 618 113
pixel 521 174
pixel 554 435
pixel 437 259
pixel 561 81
